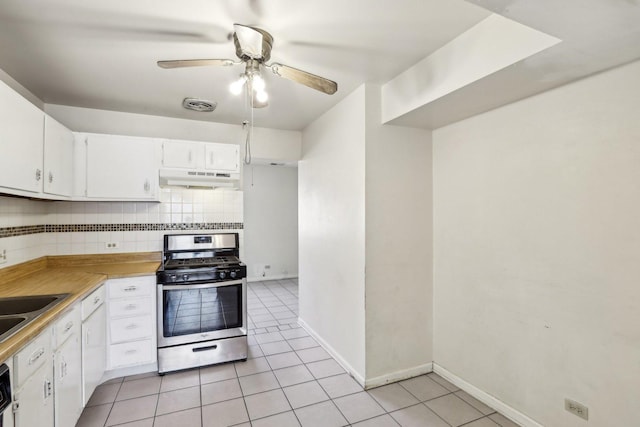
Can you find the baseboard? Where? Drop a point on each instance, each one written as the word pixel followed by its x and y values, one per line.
pixel 264 279
pixel 133 370
pixel 486 398
pixel 347 367
pixel 399 375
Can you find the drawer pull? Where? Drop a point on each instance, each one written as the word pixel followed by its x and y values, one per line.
pixel 131 326
pixel 130 288
pixel 96 300
pixel 208 348
pixel 131 352
pixel 36 355
pixel 130 306
pixel 68 326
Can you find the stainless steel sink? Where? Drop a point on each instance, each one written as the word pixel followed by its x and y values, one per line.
pixel 18 305
pixel 18 312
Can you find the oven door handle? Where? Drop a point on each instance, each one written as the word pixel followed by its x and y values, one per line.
pixel 200 286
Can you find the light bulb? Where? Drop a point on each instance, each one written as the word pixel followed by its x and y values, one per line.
pixel 236 87
pixel 262 96
pixel 257 82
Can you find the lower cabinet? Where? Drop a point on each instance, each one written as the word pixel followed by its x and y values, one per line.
pixel 55 374
pixel 132 322
pixel 94 341
pixel 67 369
pixel 33 384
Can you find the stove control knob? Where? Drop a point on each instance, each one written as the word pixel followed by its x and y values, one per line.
pixel 222 275
pixel 172 277
pixel 185 277
pixel 233 274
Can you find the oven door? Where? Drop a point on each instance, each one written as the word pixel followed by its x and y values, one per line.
pixel 202 312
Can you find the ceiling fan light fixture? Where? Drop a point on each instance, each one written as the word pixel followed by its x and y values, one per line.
pixel 237 86
pixel 257 83
pixel 262 96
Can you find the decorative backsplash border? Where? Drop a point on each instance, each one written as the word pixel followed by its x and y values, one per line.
pixel 83 228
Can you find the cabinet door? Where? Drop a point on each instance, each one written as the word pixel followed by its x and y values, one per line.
pixel 68 382
pixel 93 351
pixel 182 154
pixel 58 158
pixel 121 168
pixel 21 150
pixel 222 157
pixel 35 399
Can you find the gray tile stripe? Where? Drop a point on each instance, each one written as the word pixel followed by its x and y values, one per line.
pixel 81 228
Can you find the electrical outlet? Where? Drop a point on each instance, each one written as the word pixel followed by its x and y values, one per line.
pixel 112 245
pixel 576 408
pixel 3 256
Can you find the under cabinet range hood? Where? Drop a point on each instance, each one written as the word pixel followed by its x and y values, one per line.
pixel 199 178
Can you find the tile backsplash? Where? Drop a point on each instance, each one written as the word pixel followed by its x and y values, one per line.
pixel 30 229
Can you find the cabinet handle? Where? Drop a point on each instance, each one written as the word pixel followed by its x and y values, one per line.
pixel 50 177
pixel 47 388
pixel 63 369
pixel 131 327
pixel 68 326
pixel 38 174
pixel 130 307
pixel 130 288
pixel 96 300
pixel 86 337
pixel 36 355
pixel 131 351
pixel 189 156
pixel 211 158
pixel 147 186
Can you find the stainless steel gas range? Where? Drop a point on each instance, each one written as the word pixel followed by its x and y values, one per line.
pixel 202 301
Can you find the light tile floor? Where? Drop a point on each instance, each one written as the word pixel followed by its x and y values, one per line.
pixel 288 380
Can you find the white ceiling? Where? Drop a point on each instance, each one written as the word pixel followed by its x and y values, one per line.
pixel 102 54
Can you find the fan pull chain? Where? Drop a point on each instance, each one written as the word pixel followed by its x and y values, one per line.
pixel 247 143
pixel 248 124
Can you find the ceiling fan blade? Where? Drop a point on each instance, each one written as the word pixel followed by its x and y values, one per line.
pixel 310 80
pixel 249 41
pixel 181 63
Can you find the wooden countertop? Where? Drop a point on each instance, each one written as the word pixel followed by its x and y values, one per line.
pixel 75 275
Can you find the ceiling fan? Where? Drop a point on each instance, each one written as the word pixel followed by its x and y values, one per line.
pixel 253 48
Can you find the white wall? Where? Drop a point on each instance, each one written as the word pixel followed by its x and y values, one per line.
pixel 271 221
pixel 537 251
pixel 331 194
pixel 399 305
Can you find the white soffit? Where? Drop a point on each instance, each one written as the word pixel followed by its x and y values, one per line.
pixel 490 46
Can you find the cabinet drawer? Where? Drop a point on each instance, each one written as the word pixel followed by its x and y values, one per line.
pixel 131 287
pixel 67 326
pixel 130 328
pixel 131 353
pixel 92 302
pixel 31 357
pixel 129 307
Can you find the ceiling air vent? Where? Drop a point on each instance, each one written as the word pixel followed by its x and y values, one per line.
pixel 200 105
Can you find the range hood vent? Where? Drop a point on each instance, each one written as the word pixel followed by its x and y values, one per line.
pixel 199 178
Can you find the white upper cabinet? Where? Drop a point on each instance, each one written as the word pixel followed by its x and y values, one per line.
pixel 58 158
pixel 21 147
pixel 201 156
pixel 121 168
pixel 222 157
pixel 182 154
